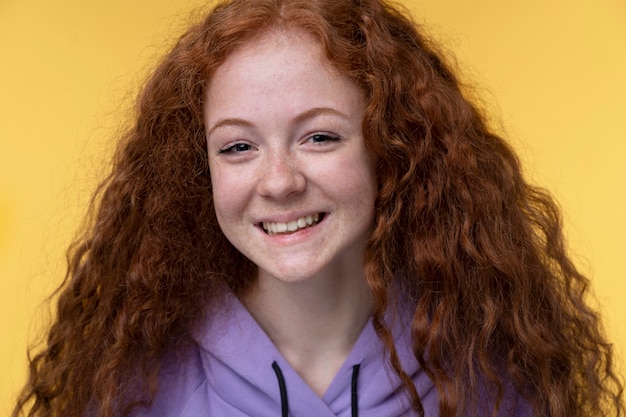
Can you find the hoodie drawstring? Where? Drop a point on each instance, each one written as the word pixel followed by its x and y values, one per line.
pixel 355 399
pixel 284 404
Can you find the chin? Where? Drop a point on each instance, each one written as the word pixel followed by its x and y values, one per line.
pixel 290 275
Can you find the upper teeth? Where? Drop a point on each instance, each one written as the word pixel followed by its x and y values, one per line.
pixel 274 228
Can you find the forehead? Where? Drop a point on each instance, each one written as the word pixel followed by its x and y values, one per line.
pixel 278 68
pixel 286 47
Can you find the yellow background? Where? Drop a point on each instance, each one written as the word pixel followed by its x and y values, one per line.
pixel 552 73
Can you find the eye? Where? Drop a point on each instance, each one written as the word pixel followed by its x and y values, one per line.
pixel 323 137
pixel 236 147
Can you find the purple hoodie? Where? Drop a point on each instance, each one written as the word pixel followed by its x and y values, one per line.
pixel 237 371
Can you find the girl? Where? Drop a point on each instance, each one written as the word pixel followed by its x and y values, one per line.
pixel 308 218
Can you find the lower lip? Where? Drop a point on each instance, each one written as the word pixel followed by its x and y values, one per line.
pixel 296 236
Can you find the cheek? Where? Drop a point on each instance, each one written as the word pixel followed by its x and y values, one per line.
pixel 227 190
pixel 229 210
pixel 356 182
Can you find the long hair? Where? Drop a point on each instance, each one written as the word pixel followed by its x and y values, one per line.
pixel 479 251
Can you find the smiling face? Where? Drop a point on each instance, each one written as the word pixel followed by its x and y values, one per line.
pixel 293 184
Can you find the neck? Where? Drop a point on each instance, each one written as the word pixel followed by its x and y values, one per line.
pixel 313 323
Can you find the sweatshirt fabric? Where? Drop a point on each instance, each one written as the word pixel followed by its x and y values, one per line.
pixel 237 371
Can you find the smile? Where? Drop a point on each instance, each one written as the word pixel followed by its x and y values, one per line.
pixel 272 228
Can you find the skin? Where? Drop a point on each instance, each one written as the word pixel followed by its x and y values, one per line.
pixel 285 142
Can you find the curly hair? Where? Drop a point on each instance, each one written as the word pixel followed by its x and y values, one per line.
pixel 477 249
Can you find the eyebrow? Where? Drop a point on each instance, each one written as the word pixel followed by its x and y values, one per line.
pixel 309 114
pixel 229 122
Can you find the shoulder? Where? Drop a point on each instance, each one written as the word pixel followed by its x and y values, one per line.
pixel 187 380
pixel 180 386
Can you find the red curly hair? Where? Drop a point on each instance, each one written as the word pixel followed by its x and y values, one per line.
pixel 477 249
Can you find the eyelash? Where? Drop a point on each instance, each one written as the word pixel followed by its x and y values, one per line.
pixel 329 137
pixel 232 148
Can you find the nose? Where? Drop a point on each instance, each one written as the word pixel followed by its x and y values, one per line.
pixel 281 177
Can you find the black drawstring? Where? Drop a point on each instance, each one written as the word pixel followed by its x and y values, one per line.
pixel 355 399
pixel 284 404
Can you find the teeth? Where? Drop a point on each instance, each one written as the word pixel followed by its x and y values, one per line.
pixel 275 228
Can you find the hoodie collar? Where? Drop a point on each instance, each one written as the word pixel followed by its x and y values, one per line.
pixel 237 356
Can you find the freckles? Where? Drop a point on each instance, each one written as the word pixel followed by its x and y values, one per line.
pixel 219 188
pixel 226 196
pixel 351 176
pixel 232 190
pixel 223 175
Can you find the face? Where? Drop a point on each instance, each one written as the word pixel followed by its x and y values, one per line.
pixel 293 184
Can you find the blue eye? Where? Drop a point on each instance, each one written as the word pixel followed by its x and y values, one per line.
pixel 236 148
pixel 323 137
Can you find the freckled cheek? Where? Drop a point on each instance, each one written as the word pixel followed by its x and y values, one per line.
pixel 355 180
pixel 356 191
pixel 229 196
